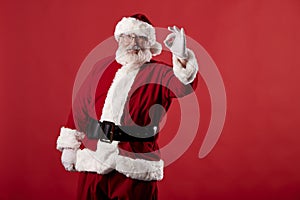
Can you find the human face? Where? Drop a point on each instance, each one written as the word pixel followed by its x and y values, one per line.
pixel 133 43
pixel 133 49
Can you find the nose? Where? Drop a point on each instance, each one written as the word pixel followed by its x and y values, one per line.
pixel 134 41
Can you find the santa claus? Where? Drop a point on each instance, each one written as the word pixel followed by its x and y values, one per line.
pixel 117 106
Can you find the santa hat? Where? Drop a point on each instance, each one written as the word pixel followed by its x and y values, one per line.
pixel 140 25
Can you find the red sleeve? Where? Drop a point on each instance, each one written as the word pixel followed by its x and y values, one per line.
pixel 176 88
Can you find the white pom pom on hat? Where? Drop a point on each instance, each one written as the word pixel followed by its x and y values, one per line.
pixel 140 25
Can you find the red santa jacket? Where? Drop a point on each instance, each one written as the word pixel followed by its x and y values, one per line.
pixel 126 96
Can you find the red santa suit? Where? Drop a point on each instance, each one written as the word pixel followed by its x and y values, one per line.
pixel 127 95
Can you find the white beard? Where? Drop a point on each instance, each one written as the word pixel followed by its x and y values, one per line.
pixel 125 58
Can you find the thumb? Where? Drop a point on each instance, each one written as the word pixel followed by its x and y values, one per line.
pixel 169 40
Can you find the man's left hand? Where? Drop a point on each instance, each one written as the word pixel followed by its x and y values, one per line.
pixel 176 42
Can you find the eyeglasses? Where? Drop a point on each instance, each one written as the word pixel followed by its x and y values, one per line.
pixel 131 37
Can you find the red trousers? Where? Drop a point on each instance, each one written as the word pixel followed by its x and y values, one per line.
pixel 114 185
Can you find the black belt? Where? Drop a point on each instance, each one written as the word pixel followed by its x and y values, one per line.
pixel 108 132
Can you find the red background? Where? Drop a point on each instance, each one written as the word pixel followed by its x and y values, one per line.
pixel 255 45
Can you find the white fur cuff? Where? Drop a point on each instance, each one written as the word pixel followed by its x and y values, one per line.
pixel 102 161
pixel 186 75
pixel 106 158
pixel 69 138
pixel 140 169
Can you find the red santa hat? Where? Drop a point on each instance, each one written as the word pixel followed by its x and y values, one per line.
pixel 140 25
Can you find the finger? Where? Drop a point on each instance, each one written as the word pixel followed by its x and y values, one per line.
pixel 170 38
pixel 182 32
pixel 169 42
pixel 171 35
pixel 171 29
pixel 176 28
pixel 183 38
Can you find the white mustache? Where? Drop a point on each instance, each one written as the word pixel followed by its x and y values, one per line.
pixel 135 48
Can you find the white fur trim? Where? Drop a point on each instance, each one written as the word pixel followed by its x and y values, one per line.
pixel 140 169
pixel 106 157
pixel 186 75
pixel 129 25
pixel 69 138
pixel 117 94
pixel 102 161
pixel 156 49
